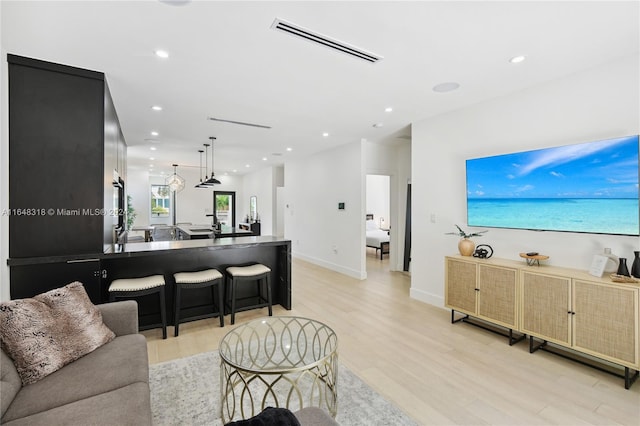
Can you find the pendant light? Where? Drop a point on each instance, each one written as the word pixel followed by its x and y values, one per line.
pixel 175 181
pixel 212 180
pixel 201 184
pixel 204 184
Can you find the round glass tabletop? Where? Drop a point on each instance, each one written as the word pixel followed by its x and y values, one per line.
pixel 281 361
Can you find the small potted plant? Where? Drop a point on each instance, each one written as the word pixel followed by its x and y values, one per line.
pixel 465 245
pixel 131 213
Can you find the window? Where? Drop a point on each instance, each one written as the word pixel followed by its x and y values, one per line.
pixel 160 201
pixel 224 207
pixel 253 208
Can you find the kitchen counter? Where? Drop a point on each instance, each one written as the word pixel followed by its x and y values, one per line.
pixel 138 249
pixel 194 232
pixel 30 276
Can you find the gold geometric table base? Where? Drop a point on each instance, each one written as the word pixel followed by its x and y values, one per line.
pixel 289 362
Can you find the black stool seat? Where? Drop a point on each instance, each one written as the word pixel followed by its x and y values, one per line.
pixel 127 288
pixel 190 280
pixel 237 275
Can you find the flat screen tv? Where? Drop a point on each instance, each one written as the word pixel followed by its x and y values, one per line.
pixel 589 187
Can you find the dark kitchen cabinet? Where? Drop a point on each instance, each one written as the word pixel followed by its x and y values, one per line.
pixel 30 279
pixel 60 190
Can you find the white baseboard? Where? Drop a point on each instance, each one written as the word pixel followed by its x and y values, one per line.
pixel 360 275
pixel 426 297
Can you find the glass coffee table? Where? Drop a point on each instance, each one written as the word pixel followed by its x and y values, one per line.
pixel 289 362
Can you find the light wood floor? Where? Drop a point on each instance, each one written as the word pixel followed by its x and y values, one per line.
pixel 437 372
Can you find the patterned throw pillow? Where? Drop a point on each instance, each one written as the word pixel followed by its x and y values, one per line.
pixel 49 331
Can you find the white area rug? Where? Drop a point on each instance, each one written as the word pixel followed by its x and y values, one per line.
pixel 187 392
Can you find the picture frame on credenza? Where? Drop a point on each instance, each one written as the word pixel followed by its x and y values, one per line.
pixel 598 264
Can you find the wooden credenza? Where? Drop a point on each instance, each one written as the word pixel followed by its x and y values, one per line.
pixel 565 307
pixel 483 290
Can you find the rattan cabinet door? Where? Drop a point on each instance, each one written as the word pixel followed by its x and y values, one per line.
pixel 546 308
pixel 605 322
pixel 497 295
pixel 460 285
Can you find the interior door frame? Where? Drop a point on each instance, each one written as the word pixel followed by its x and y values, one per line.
pixel 232 194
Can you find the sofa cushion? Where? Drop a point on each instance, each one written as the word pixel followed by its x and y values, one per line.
pixel 50 330
pixel 127 406
pixel 314 416
pixel 10 382
pixel 117 364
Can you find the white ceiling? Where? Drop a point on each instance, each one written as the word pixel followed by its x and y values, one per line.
pixel 226 62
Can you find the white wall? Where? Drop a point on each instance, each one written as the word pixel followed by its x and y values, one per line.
pixel 278 203
pixel 278 230
pixel 319 232
pixel 193 204
pixel 599 103
pixel 137 187
pixel 262 184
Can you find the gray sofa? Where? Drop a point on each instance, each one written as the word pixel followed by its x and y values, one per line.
pixel 314 416
pixel 109 386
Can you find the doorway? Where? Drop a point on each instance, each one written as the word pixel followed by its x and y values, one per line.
pixel 378 215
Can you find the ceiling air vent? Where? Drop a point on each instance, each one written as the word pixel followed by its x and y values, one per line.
pixel 241 123
pixel 295 30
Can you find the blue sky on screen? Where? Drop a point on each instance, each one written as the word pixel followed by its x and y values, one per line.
pixel 603 169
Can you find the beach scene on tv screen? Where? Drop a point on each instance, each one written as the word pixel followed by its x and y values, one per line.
pixel 590 187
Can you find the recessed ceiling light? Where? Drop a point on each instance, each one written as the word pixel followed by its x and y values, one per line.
pixel 247 165
pixel 325 134
pixel 289 149
pixel 388 109
pixel 264 158
pixel 151 166
pixel 378 125
pixel 175 2
pixel 235 170
pixel 445 87
pixel 156 108
pixel 162 53
pixel 151 158
pixel 517 59
pixel 154 133
pixel 153 148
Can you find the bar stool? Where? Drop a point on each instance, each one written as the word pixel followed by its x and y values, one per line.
pixel 237 275
pixel 190 280
pixel 128 288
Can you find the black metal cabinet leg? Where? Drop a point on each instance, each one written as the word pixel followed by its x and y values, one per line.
pixel 628 378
